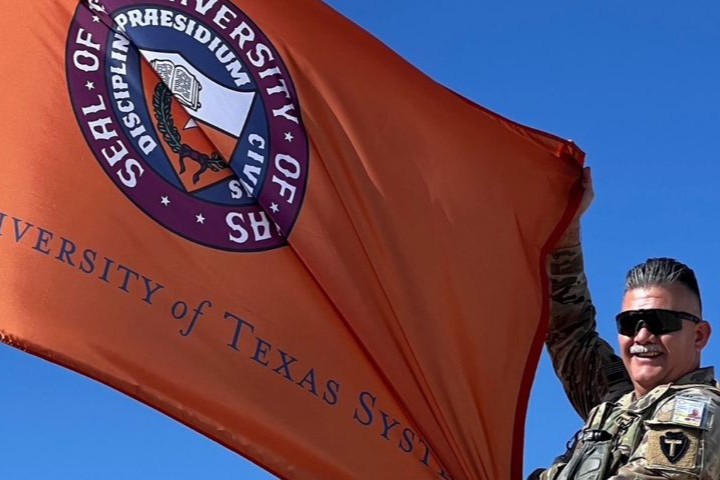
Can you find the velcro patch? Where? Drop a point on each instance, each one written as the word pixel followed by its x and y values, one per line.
pixel 676 449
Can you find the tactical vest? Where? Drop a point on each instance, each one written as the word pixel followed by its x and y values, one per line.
pixel 612 433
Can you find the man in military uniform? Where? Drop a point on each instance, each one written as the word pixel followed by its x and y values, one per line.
pixel 652 412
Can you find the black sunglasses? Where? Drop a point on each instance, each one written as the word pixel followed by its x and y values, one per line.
pixel 657 320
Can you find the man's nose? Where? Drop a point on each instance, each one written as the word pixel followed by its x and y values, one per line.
pixel 642 334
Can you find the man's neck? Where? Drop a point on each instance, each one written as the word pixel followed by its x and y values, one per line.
pixel 697 375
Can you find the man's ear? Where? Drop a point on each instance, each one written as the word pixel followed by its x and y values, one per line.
pixel 702 335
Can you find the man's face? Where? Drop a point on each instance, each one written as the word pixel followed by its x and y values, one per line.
pixel 654 360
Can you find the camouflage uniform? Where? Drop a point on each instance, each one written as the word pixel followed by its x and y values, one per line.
pixel 573 340
pixel 671 432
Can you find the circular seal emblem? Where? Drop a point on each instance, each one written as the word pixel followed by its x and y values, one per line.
pixel 192 113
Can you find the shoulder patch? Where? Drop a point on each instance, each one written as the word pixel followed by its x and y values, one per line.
pixel 674 445
pixel 676 449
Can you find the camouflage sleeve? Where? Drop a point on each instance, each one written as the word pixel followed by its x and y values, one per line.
pixel 682 441
pixel 586 365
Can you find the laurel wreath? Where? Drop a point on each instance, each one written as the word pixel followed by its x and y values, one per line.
pixel 162 100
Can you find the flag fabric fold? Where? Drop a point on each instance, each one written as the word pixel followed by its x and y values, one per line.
pixel 258 219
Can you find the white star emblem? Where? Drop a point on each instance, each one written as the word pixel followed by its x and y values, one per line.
pixel 199 218
pixel 165 200
pixel 289 136
pixel 274 207
pixel 96 19
pixel 90 85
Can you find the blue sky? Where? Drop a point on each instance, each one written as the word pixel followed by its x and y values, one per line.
pixel 635 83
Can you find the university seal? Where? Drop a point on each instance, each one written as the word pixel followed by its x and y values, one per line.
pixel 192 114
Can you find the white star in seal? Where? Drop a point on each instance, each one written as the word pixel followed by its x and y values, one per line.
pixel 289 136
pixel 90 85
pixel 96 19
pixel 274 207
pixel 199 218
pixel 165 200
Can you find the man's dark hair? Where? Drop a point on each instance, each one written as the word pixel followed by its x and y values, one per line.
pixel 662 272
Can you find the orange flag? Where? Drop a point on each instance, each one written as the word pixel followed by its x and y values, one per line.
pixel 257 219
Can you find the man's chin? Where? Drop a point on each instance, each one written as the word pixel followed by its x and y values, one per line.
pixel 647 377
